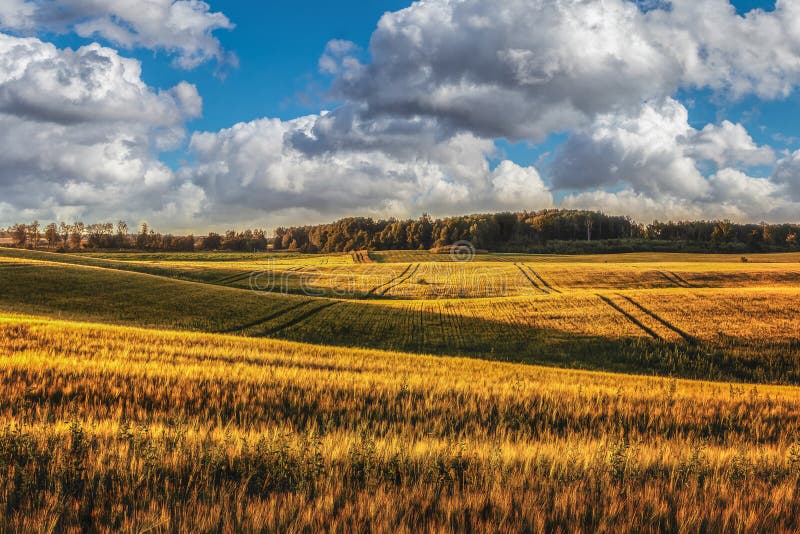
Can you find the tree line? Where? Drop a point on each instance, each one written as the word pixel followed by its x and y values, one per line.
pixel 110 236
pixel 551 230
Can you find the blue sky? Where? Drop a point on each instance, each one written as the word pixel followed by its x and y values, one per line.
pixel 463 106
pixel 278 45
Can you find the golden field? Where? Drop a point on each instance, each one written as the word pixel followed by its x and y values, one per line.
pixel 172 393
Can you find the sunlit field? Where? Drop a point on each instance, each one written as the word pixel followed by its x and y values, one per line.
pixel 399 392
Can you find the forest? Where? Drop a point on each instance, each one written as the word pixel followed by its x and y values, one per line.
pixel 540 231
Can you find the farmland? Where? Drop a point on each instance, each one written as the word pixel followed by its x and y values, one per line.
pixel 403 391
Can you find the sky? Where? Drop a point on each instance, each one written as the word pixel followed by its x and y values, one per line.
pixel 196 115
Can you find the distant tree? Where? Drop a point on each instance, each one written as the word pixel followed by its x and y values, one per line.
pixel 211 242
pixel 76 234
pixel 279 233
pixel 51 234
pixel 63 230
pixel 144 238
pixel 19 233
pixel 722 231
pixel 185 243
pixel 33 234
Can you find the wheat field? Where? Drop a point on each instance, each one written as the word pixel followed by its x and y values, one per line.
pixel 403 394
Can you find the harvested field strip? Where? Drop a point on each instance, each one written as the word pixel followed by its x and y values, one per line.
pixel 401 280
pixel 631 318
pixel 300 318
pixel 542 280
pixel 689 338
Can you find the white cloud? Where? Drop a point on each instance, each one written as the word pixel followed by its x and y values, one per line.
pixel 381 168
pixel 787 175
pixel 444 77
pixel 523 69
pixel 652 160
pixel 729 144
pixel 16 14
pixel 646 151
pixel 637 205
pixel 519 69
pixel 756 53
pixel 184 28
pixel 519 188
pixel 731 195
pixel 92 84
pixel 80 132
pixel 654 151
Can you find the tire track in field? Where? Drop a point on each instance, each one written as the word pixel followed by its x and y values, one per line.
pixel 531 280
pixel 376 288
pixel 401 281
pixel 688 337
pixel 299 319
pixel 675 280
pixel 266 319
pixel 663 275
pixel 630 317
pixel 542 280
pixel 681 279
pixel 232 278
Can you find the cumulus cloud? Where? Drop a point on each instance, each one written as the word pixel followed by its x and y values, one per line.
pixel 729 144
pixel 756 53
pixel 81 131
pixel 382 168
pixel 93 84
pixel 654 151
pixel 645 150
pixel 16 14
pixel 787 175
pixel 184 28
pixel 731 194
pixel 647 165
pixel 444 77
pixel 418 115
pixel 522 69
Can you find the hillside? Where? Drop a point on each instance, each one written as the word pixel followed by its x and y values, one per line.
pixel 129 429
pixel 650 315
